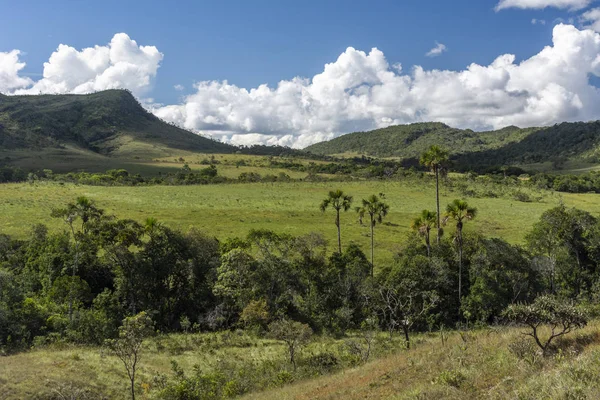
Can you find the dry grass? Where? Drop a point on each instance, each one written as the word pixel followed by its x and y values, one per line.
pixel 477 366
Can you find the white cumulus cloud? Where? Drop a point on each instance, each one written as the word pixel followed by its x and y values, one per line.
pixel 10 65
pixel 541 4
pixel 120 64
pixel 437 50
pixel 358 91
pixel 591 19
pixel 361 91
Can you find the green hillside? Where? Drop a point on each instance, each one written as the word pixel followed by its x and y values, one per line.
pixel 109 123
pixel 510 145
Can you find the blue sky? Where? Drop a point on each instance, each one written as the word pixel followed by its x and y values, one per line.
pixel 254 42
pixel 249 43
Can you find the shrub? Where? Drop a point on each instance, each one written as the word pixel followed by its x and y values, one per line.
pixel 561 316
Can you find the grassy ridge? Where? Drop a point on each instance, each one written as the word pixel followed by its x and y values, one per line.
pixel 234 209
pixel 508 146
pixel 471 365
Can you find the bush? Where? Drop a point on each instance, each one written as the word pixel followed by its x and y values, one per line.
pixel 561 316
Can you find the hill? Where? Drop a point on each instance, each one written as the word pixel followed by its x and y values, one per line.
pixel 108 123
pixel 510 145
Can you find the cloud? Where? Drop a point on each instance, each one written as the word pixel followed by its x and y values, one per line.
pixel 591 19
pixel 538 21
pixel 541 4
pixel 10 66
pixel 358 91
pixel 437 50
pixel 179 87
pixel 120 64
pixel 361 91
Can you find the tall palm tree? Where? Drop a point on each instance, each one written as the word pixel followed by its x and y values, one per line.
pixel 436 159
pixel 423 224
pixel 460 212
pixel 376 210
pixel 338 201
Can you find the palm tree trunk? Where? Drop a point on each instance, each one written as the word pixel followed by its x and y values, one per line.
pixel 459 267
pixel 437 199
pixel 337 223
pixel 428 244
pixel 372 248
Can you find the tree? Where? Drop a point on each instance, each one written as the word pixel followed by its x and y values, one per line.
pixel 561 316
pixel 377 210
pixel 436 159
pixel 423 224
pixel 564 241
pixel 128 346
pixel 293 333
pixel 460 212
pixel 85 210
pixel 338 201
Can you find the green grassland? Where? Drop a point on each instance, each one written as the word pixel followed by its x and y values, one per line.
pixel 230 210
pixel 493 363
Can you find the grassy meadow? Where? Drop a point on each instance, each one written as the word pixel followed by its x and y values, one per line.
pixel 231 210
pixel 492 363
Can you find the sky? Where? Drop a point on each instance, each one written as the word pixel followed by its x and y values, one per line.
pixel 295 73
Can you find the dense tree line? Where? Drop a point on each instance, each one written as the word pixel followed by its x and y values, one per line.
pixel 78 284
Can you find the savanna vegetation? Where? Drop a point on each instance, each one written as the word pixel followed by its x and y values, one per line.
pixel 214 276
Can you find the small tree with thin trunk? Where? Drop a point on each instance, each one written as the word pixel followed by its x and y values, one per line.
pixel 376 210
pixel 459 211
pixel 339 202
pixel 561 316
pixel 422 225
pixel 128 346
pixel 436 159
pixel 293 333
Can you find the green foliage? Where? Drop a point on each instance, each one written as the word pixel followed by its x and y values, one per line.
pixel 561 315
pixel 128 346
pixel 294 334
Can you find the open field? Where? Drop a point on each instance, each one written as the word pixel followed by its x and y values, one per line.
pixel 474 365
pixel 233 209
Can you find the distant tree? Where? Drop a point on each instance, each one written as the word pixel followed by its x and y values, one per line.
pixel 436 159
pixel 423 224
pixel 338 201
pixel 376 210
pixel 561 316
pixel 459 211
pixel 128 346
pixel 294 334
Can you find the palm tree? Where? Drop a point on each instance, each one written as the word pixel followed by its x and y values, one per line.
pixel 376 210
pixel 436 159
pixel 338 201
pixel 423 224
pixel 459 211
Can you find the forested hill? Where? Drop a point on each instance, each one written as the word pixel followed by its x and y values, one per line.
pixel 510 145
pixel 103 122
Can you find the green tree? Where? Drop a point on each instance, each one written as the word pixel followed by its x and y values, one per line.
pixel 561 316
pixel 436 159
pixel 423 224
pixel 459 211
pixel 338 201
pixel 566 239
pixel 376 210
pixel 293 333
pixel 128 346
pixel 84 210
